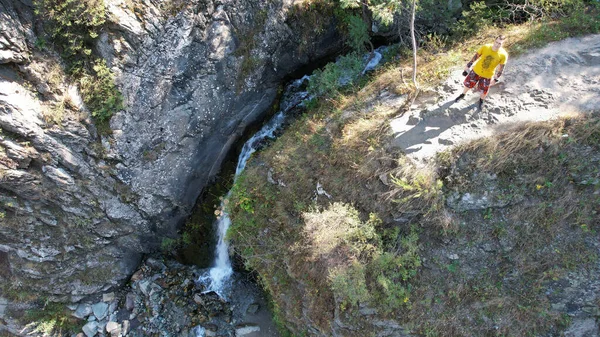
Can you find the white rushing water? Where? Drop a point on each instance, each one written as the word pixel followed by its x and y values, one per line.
pixel 222 270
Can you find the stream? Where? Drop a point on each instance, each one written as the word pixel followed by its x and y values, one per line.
pixel 220 279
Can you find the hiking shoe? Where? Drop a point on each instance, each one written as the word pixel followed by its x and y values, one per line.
pixel 480 105
pixel 461 96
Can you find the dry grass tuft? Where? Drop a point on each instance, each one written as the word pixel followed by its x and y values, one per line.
pixel 338 234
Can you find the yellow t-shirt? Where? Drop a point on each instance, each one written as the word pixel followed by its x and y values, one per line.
pixel 489 59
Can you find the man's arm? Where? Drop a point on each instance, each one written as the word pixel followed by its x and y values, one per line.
pixel 499 71
pixel 477 55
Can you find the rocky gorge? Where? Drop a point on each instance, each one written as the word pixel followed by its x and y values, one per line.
pixel 371 215
pixel 80 206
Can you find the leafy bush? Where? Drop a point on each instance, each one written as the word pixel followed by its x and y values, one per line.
pixel 52 319
pixel 358 34
pixel 72 24
pixel 473 20
pixel 435 17
pixel 517 11
pixel 391 273
pixel 349 285
pixel 334 76
pixel 416 191
pixel 100 93
pixel 359 270
pixel 168 244
pixel 482 14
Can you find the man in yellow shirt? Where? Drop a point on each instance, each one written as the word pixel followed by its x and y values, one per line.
pixel 489 58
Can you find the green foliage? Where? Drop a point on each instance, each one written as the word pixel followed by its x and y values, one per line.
pixel 374 276
pixel 349 285
pixel 40 43
pixel 325 81
pixel 419 191
pixel 100 93
pixel 574 15
pixel 334 76
pixel 392 273
pixel 73 26
pixel 51 320
pixel 358 34
pixel 384 10
pixel 340 226
pixel 435 17
pixel 516 11
pixel 475 19
pixel 241 197
pixel 579 22
pixel 186 238
pixel 168 244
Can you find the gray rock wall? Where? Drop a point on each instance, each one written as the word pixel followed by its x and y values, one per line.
pixel 78 209
pixel 192 87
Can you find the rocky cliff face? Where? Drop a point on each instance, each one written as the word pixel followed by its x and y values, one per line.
pixel 80 208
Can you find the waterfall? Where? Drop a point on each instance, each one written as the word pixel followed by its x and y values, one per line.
pixel 218 275
pixel 294 96
pixel 222 270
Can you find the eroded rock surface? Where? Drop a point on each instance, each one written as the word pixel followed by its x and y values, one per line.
pixel 79 207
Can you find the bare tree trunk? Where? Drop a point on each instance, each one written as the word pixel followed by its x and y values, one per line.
pixel 366 16
pixel 414 43
pixel 367 20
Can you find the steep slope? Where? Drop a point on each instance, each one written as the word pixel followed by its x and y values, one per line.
pixel 359 228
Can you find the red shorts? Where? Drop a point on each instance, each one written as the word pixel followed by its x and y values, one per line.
pixel 483 84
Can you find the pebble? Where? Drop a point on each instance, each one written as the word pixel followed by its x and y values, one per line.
pixel 246 329
pixel 108 297
pixel 453 256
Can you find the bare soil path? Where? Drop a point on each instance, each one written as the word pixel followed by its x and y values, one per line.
pixel 560 79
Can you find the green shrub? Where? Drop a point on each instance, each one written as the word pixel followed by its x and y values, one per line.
pixel 372 276
pixel 349 284
pixel 334 76
pixel 473 20
pixel 435 17
pixel 100 93
pixel 417 191
pixel 72 24
pixel 168 244
pixel 52 319
pixel 358 34
pixel 518 11
pixel 390 274
pixel 340 226
pixel 240 197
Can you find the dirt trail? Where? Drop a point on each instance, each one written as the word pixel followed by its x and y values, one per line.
pixel 559 79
